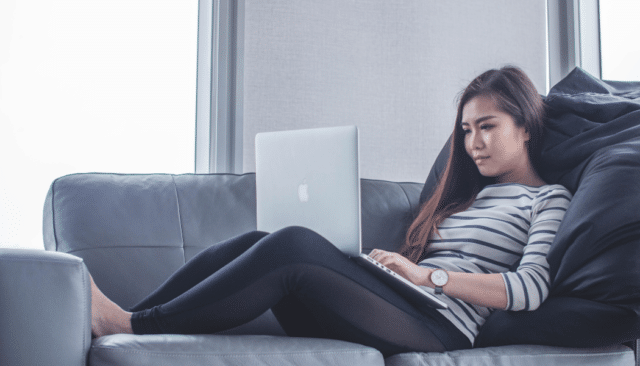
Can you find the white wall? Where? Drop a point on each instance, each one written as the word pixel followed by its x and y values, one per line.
pixel 393 68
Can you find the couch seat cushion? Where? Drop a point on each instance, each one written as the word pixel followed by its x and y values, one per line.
pixel 191 350
pixel 519 355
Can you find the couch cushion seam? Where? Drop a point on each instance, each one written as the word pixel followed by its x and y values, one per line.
pixel 85 311
pixel 40 260
pixel 191 354
pixel 126 247
pixel 175 190
pixel 407 197
pixel 53 214
pixel 600 354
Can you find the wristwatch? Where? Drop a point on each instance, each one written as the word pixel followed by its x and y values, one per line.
pixel 439 277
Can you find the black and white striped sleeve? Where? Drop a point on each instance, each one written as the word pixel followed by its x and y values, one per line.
pixel 528 286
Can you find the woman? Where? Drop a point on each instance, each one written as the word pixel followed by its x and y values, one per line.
pixel 480 241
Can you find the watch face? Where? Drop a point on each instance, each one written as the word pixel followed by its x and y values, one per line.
pixel 439 277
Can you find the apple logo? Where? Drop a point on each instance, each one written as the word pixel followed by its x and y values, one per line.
pixel 303 191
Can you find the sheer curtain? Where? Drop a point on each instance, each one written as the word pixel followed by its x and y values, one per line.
pixel 91 86
pixel 619 28
pixel 393 68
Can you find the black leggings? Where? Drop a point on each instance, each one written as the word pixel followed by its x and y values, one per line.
pixel 313 289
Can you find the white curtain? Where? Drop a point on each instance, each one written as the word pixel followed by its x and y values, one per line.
pixel 393 68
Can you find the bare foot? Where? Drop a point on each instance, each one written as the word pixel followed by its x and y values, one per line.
pixel 106 316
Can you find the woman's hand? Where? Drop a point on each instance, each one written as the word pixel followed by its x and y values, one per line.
pixel 402 266
pixel 481 289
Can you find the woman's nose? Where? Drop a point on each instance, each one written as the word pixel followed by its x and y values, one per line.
pixel 475 141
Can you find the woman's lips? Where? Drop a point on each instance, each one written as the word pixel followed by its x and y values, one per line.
pixel 480 159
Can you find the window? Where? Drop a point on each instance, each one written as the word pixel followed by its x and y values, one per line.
pixel 619 29
pixel 91 86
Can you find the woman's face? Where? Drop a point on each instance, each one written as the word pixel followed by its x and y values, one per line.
pixel 494 142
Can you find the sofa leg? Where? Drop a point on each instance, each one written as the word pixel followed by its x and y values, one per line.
pixel 634 345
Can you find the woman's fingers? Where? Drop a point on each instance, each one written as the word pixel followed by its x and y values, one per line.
pixel 396 263
pixel 384 257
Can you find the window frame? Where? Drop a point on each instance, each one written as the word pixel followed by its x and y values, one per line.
pixel 573 37
pixel 219 86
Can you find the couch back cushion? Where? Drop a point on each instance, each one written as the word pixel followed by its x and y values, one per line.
pixel 134 230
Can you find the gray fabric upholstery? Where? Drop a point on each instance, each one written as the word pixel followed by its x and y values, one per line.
pixel 214 208
pixel 145 226
pixel 521 355
pixel 186 350
pixel 45 308
pixel 387 209
pixel 115 221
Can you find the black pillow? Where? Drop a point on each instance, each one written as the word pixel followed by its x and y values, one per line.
pixel 561 322
pixel 592 147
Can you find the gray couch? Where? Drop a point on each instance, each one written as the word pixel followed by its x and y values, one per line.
pixel 132 231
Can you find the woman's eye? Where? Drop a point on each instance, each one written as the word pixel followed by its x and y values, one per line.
pixel 466 131
pixel 486 127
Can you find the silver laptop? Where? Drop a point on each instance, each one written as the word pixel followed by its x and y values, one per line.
pixel 311 178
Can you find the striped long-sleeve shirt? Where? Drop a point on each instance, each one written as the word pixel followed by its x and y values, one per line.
pixel 507 223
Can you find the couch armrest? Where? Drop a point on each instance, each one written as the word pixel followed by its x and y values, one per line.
pixel 45 308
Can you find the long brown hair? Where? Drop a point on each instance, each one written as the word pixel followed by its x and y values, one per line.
pixel 513 93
